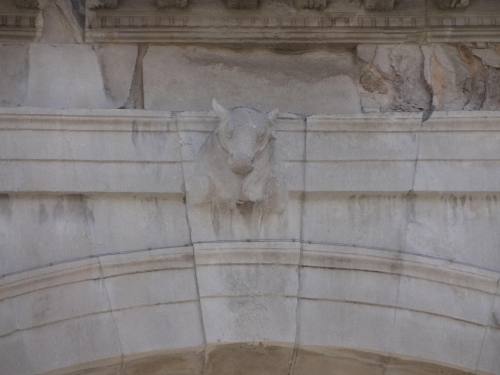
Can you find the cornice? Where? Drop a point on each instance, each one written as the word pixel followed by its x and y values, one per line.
pixel 29 4
pixel 19 23
pixel 303 22
pixel 269 23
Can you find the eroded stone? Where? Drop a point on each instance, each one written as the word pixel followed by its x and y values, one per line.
pixel 392 79
pixel 456 77
pixel 236 77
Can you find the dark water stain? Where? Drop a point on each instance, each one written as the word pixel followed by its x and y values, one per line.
pixel 5 205
pixel 42 213
pixel 58 210
pixel 135 133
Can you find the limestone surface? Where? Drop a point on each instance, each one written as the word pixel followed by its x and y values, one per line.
pixel 65 76
pixel 336 209
pixel 14 78
pixel 240 77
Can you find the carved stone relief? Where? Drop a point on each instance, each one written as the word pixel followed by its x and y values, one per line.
pixel 382 5
pixel 379 4
pixel 235 168
pixel 172 3
pixel 242 4
pixel 94 4
pixel 311 4
pixel 31 4
pixel 452 4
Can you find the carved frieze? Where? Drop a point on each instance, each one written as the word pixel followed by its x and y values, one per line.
pixel 242 4
pixel 269 22
pixel 311 4
pixel 29 4
pixel 379 4
pixel 19 20
pixel 452 4
pixel 109 4
pixel 172 3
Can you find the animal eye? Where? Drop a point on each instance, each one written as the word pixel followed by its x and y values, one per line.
pixel 229 131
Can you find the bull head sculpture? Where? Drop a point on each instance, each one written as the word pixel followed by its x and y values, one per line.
pixel 243 134
pixel 236 167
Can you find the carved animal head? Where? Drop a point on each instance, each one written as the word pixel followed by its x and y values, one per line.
pixel 244 134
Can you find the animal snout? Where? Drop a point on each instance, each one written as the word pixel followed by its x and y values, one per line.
pixel 242 165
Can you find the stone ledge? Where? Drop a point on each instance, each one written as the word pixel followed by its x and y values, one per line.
pixel 270 25
pixel 253 253
pixel 28 118
pixel 149 152
pixel 95 268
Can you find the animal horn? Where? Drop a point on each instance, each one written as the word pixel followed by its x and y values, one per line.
pixel 220 111
pixel 273 116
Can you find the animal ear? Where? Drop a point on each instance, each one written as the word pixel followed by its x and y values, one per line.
pixel 220 111
pixel 273 116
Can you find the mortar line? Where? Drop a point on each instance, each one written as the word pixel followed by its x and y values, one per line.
pixel 190 233
pixel 111 312
pixel 488 328
pixel 293 359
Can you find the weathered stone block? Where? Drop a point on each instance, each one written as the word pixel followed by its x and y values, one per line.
pixel 376 221
pixel 490 360
pixel 492 100
pixel 392 79
pixel 159 327
pixel 358 176
pixel 14 74
pixel 118 63
pixel 249 279
pixel 166 286
pixel 92 337
pixel 450 226
pixel 326 323
pixel 489 56
pixel 421 335
pixel 457 78
pixel 236 77
pixel 353 285
pixel 446 300
pixel 14 358
pixel 65 76
pixel 249 319
pixel 56 304
pixel 66 228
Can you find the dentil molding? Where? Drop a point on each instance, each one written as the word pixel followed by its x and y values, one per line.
pixel 269 22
